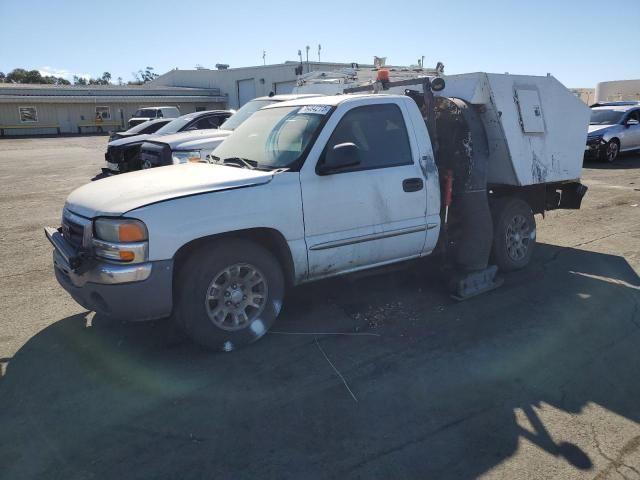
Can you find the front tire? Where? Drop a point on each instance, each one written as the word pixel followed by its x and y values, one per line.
pixel 610 152
pixel 229 293
pixel 514 236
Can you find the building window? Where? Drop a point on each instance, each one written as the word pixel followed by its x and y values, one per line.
pixel 200 109
pixel 103 113
pixel 28 114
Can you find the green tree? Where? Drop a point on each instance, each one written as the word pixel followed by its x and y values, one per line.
pixel 17 75
pixel 34 76
pixel 144 76
pixel 20 75
pixel 2 77
pixel 79 80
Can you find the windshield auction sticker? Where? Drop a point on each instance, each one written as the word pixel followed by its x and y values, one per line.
pixel 315 109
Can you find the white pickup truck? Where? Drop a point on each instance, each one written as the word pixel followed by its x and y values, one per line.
pixel 322 186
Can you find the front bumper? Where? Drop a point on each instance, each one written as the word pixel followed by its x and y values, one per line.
pixel 594 148
pixel 128 292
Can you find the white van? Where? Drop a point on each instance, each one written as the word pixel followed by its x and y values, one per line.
pixel 151 113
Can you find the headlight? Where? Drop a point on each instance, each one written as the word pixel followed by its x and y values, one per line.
pixel 186 157
pixel 122 240
pixel 120 230
pixel 593 139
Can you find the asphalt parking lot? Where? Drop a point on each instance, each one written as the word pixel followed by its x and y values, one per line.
pixel 377 376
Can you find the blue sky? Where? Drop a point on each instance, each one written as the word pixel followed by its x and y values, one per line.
pixel 580 42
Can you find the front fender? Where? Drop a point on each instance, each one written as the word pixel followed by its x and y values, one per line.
pixel 276 205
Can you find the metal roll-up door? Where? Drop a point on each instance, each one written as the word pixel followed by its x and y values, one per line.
pixel 282 88
pixel 246 91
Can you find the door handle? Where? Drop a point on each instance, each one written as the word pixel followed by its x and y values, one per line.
pixel 412 184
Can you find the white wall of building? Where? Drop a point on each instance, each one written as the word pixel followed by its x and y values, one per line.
pixel 68 115
pixel 587 95
pixel 618 90
pixel 265 78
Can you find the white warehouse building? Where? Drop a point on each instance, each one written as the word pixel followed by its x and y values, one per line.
pixel 618 90
pixel 46 109
pixel 240 85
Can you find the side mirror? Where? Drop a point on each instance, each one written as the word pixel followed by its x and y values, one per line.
pixel 631 121
pixel 341 156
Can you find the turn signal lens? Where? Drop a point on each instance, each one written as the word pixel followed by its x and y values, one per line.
pixel 131 232
pixel 127 256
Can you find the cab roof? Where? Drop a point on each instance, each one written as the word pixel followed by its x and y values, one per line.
pixel 332 100
pixel 285 97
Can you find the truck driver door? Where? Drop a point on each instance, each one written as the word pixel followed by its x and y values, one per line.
pixel 370 213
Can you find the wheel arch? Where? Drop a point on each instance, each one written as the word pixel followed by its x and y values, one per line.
pixel 269 238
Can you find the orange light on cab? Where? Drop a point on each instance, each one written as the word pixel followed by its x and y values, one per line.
pixel 383 75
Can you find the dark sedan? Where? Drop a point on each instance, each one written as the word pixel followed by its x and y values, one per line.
pixel 123 155
pixel 149 127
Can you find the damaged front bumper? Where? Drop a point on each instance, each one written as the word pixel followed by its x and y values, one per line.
pixel 141 291
pixel 594 148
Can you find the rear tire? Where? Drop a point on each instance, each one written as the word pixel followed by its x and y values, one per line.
pixel 514 236
pixel 229 293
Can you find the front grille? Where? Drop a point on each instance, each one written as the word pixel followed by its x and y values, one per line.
pixel 73 229
pixel 150 154
pixel 114 155
pixel 73 233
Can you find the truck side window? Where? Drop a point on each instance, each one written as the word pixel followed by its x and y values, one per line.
pixel 379 132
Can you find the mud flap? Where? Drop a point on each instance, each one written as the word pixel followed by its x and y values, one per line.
pixel 470 284
pixel 572 195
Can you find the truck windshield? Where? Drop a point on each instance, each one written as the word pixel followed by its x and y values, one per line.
pixel 245 112
pixel 605 117
pixel 145 113
pixel 274 137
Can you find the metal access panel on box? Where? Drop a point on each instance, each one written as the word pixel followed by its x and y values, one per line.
pixel 530 111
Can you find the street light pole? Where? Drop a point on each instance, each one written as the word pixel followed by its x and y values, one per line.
pixel 308 69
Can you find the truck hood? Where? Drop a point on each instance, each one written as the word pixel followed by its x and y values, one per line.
pixel 117 195
pixel 196 139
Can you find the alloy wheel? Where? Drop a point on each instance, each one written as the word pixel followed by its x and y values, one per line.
pixel 518 235
pixel 236 296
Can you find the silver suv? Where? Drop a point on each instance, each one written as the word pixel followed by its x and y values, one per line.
pixel 614 128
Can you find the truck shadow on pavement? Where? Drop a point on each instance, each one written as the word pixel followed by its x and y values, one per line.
pixel 426 388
